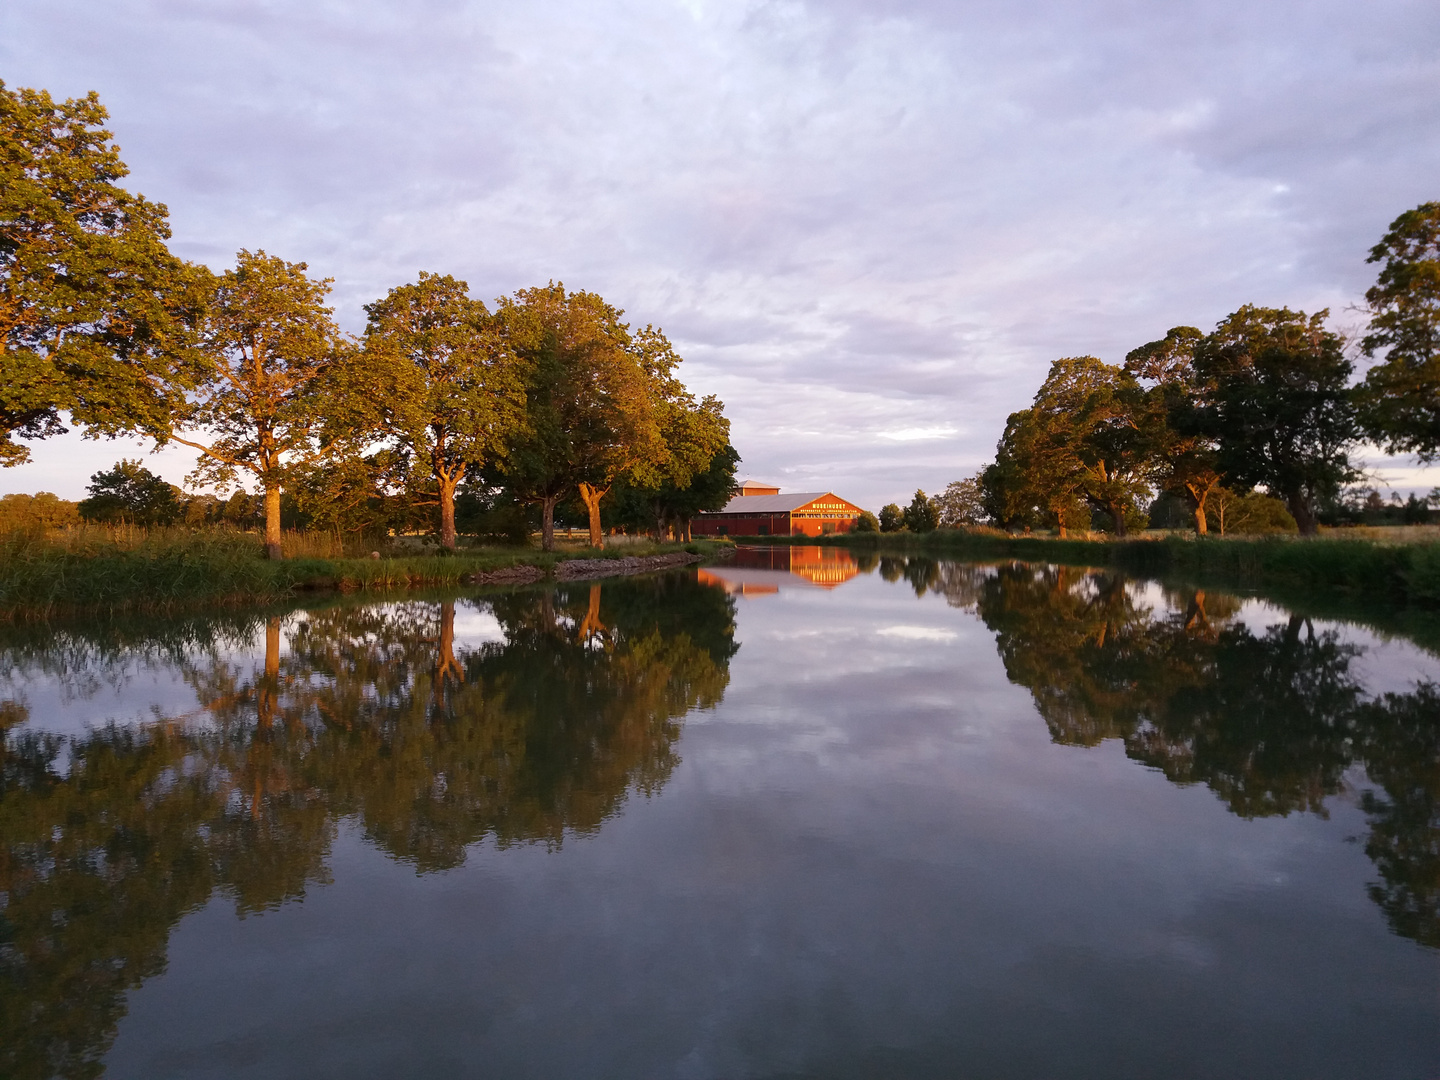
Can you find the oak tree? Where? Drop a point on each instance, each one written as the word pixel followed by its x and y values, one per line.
pixel 434 379
pixel 265 338
pixel 1186 457
pixel 92 303
pixel 1400 398
pixel 1278 407
pixel 591 412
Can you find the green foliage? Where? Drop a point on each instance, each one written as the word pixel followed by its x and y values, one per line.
pixel 603 406
pixel 1253 513
pixel 1088 437
pixel 437 381
pixel 892 518
pixel 265 338
pixel 866 523
pixel 1400 398
pixel 92 304
pixel 1279 409
pixel 130 493
pixel 921 516
pixel 1186 457
pixel 37 512
pixel 658 509
pixel 130 568
pixel 962 503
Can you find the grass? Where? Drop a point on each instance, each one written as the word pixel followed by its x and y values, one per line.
pixel 110 569
pixel 1403 574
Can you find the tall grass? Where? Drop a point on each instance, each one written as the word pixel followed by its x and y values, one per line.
pixel 1404 574
pixel 129 568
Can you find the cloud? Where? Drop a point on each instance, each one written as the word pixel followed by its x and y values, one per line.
pixel 853 218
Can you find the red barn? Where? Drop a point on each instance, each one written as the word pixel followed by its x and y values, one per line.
pixel 805 513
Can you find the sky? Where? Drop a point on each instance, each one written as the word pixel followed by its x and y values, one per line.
pixel 869 227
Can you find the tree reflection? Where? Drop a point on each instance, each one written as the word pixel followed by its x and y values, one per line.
pixel 1270 721
pixel 382 714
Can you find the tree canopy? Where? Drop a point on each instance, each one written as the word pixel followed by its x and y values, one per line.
pixel 601 405
pixel 436 379
pixel 92 303
pixel 1278 407
pixel 1400 398
pixel 265 336
pixel 131 493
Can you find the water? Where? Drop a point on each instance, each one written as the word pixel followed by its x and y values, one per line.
pixel 799 816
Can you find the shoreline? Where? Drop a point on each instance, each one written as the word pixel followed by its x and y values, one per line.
pixel 164 580
pixel 1405 573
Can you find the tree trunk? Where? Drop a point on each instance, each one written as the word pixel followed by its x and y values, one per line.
pixel 591 496
pixel 447 668
pixel 547 522
pixel 267 697
pixel 1117 515
pixel 1201 525
pixel 447 511
pixel 1303 515
pixel 272 520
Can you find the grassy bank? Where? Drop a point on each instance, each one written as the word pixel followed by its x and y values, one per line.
pixel 1402 575
pixel 109 570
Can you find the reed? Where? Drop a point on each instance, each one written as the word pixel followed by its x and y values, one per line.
pixel 127 568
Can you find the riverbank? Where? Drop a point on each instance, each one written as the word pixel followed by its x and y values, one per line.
pixel 1402 574
pixel 46 576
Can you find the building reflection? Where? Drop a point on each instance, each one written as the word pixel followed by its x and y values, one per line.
pixel 760 571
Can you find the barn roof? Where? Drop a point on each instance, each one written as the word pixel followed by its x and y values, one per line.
pixel 771 504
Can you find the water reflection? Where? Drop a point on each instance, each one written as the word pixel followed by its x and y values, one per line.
pixel 762 571
pixel 1273 722
pixel 371 713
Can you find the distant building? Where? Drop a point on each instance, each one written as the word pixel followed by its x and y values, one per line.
pixel 760 510
pixel 754 487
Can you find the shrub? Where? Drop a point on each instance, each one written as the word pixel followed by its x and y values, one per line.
pixel 866 523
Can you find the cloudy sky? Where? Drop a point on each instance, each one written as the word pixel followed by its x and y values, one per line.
pixel 868 226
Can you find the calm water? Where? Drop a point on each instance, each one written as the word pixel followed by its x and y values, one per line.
pixel 798 816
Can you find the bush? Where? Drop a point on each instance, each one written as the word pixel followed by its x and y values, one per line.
pixel 1256 515
pixel 866 523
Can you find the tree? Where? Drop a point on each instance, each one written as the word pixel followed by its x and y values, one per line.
pixel 1400 398
pixel 435 378
pixel 592 394
pixel 658 509
pixel 866 523
pixel 1088 436
pixel 130 493
pixel 1006 497
pixel 921 515
pixel 892 518
pixel 1278 408
pixel 90 298
pixel 43 510
pixel 265 337
pixel 1187 459
pixel 962 503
